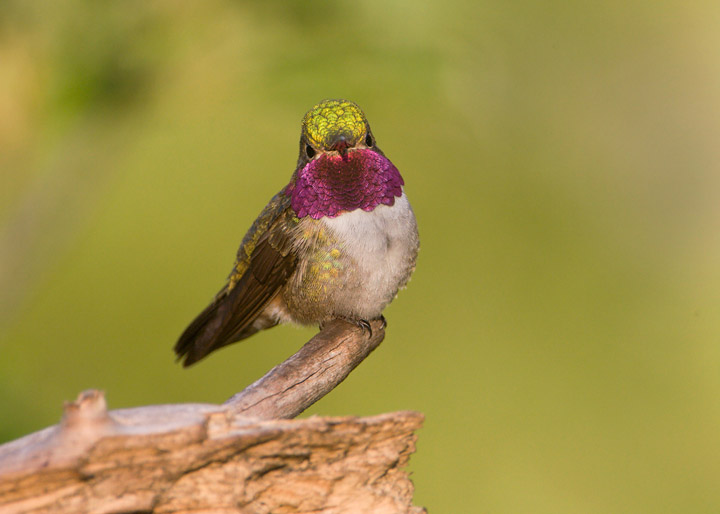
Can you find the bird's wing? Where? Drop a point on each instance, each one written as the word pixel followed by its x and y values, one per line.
pixel 264 262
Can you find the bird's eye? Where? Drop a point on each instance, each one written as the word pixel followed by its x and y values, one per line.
pixel 310 151
pixel 368 141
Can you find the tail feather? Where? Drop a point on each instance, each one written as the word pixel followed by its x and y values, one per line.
pixel 200 337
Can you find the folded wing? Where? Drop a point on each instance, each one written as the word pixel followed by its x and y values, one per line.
pixel 265 262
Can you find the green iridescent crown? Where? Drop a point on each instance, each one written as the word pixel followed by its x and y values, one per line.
pixel 332 117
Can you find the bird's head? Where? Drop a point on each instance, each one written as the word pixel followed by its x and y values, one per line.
pixel 340 168
pixel 334 127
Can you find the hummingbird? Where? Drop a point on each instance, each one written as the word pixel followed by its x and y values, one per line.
pixel 338 241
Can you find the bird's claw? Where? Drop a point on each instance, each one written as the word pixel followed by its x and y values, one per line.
pixel 367 327
pixel 364 324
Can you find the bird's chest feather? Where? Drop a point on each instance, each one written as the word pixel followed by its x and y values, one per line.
pixel 356 262
pixel 378 243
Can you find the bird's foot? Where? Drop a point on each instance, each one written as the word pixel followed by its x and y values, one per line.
pixel 364 324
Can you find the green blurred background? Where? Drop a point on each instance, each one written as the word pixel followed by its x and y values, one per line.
pixel 562 330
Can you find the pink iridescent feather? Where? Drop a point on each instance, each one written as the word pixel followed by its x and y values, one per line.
pixel 332 184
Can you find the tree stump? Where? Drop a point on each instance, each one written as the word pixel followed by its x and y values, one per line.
pixel 238 457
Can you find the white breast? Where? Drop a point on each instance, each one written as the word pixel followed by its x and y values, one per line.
pixel 383 244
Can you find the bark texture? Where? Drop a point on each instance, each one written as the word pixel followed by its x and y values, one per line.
pixel 231 458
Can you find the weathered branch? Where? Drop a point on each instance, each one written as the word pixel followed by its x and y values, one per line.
pixel 215 458
pixel 315 370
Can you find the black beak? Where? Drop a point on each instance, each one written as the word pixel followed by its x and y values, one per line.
pixel 340 145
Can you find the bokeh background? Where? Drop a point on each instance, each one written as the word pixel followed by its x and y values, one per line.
pixel 562 330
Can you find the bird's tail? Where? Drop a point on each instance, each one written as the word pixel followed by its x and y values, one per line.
pixel 206 333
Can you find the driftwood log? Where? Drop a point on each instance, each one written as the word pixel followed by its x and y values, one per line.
pixel 244 456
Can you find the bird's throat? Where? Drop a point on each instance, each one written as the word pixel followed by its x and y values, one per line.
pixel 333 184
